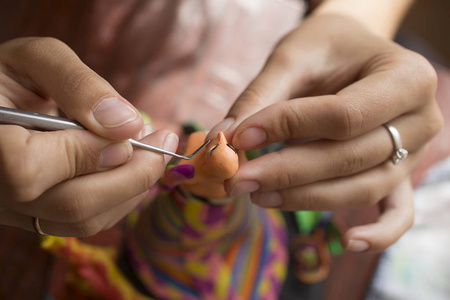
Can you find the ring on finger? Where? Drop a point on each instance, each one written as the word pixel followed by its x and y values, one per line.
pixel 37 226
pixel 400 153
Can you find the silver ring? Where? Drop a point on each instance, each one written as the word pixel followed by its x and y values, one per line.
pixel 400 153
pixel 37 226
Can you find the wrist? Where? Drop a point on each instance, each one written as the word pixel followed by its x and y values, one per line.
pixel 381 17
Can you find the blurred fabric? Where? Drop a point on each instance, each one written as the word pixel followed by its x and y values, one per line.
pixel 179 61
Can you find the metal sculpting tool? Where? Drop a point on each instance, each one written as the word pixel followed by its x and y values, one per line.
pixel 42 122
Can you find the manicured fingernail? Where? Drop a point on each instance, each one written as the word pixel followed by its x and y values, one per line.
pixel 357 245
pixel 170 144
pixel 115 155
pixel 251 138
pixel 268 199
pixel 244 187
pixel 111 112
pixel 222 126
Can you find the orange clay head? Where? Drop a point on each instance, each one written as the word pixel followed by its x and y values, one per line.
pixel 221 158
pixel 214 164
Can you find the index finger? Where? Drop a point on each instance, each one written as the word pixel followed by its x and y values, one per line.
pixel 386 91
pixel 84 197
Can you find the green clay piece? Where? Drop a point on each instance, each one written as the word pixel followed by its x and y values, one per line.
pixel 335 247
pixel 307 220
pixel 334 240
pixel 251 154
pixel 145 117
pixel 189 128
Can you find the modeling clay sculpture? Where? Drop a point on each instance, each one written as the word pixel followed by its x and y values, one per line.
pixel 192 241
pixel 216 163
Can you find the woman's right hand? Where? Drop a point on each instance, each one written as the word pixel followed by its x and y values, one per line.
pixel 77 182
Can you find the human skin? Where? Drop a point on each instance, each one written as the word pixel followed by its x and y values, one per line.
pixel 321 48
pixel 344 79
pixel 72 180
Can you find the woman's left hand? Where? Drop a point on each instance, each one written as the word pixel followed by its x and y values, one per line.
pixel 343 83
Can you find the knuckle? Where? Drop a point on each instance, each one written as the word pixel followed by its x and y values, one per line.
pixel 284 179
pixel 288 123
pixel 86 228
pixel 282 56
pixel 80 157
pixel 307 201
pixel 351 159
pixel 25 194
pixel 434 123
pixel 148 176
pixel 348 120
pixel 277 174
pixel 372 194
pixel 77 210
pixel 78 79
pixel 36 46
pixel 304 199
pixel 427 78
pixel 251 97
pixel 21 175
pixel 149 179
pixel 110 225
pixel 418 70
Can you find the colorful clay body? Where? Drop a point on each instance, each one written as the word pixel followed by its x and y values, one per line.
pixel 194 242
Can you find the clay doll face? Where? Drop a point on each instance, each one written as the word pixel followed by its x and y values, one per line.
pixel 221 158
pixel 214 164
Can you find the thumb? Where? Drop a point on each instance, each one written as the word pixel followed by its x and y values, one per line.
pixel 56 72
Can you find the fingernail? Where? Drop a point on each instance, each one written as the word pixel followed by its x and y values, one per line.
pixel 251 138
pixel 115 155
pixel 244 187
pixel 222 126
pixel 170 144
pixel 111 112
pixel 268 199
pixel 357 245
